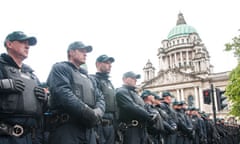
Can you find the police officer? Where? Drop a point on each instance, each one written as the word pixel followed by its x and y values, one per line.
pixel 197 126
pixel 169 138
pixel 75 102
pixel 213 136
pixel 132 114
pixel 21 97
pixel 184 128
pixel 170 126
pixel 155 130
pixel 189 130
pixel 106 130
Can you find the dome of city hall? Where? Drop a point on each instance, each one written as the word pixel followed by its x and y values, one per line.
pixel 181 29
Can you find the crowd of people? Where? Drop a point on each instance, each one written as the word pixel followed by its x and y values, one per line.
pixel 75 107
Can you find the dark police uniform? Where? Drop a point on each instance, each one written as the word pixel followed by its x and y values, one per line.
pixel 170 138
pixel 18 108
pixel 184 128
pixel 213 136
pixel 106 129
pixel 156 130
pixel 132 114
pixel 198 128
pixel 170 126
pixel 74 97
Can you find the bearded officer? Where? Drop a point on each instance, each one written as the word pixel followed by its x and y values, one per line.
pixel 106 130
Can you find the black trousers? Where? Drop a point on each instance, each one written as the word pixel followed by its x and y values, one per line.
pixel 170 139
pixel 71 134
pixel 106 134
pixel 26 139
pixel 135 135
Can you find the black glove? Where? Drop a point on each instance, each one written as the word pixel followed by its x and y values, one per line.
pixel 153 119
pixel 157 126
pixel 40 94
pixel 12 85
pixel 89 117
pixel 98 112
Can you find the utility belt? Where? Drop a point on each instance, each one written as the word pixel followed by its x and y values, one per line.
pixel 58 118
pixel 106 122
pixel 53 120
pixel 181 134
pixel 14 130
pixel 133 123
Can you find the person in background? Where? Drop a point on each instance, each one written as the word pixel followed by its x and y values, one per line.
pixel 170 126
pixel 169 138
pixel 154 131
pixel 133 117
pixel 184 129
pixel 106 130
pixel 22 100
pixel 75 101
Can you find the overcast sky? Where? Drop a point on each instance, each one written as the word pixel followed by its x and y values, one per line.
pixel 129 30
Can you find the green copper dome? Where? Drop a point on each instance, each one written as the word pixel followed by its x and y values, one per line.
pixel 181 28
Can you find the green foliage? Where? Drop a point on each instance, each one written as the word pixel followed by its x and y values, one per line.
pixel 233 87
pixel 234 46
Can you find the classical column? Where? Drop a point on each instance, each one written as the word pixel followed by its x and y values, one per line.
pixel 175 59
pixel 170 61
pixel 196 100
pixel 145 75
pixel 181 58
pixel 164 62
pixel 160 63
pixel 178 95
pixel 182 95
pixel 187 58
pixel 200 98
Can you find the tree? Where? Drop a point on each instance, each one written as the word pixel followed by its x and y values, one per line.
pixel 233 87
pixel 234 46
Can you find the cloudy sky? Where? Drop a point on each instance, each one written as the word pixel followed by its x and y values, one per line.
pixel 129 30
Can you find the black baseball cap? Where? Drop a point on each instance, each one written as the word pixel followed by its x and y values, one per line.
pixel 131 75
pixel 166 93
pixel 105 58
pixel 145 93
pixel 20 36
pixel 79 45
pixel 176 103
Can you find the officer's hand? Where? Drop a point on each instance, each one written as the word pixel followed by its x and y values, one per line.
pixel 98 112
pixel 153 119
pixel 12 85
pixel 90 117
pixel 41 94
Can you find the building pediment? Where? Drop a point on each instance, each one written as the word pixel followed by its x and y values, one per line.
pixel 171 77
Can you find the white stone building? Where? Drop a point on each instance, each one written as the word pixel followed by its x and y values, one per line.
pixel 184 68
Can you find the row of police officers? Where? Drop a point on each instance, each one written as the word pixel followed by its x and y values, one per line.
pixel 75 107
